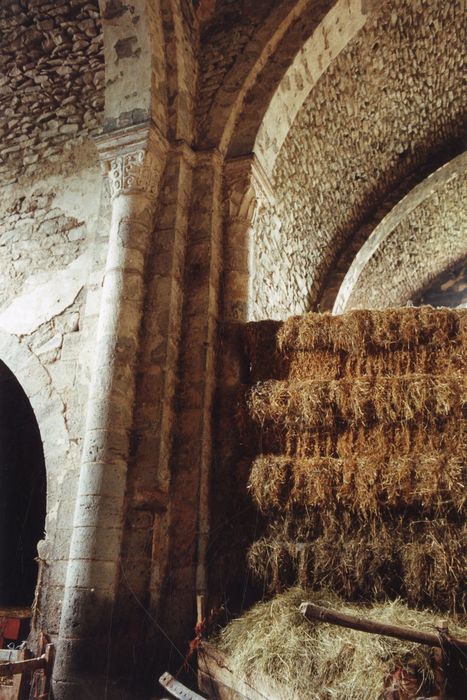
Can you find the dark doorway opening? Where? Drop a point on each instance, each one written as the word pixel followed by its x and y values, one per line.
pixel 22 493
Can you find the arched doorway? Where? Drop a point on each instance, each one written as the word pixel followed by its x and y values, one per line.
pixel 22 493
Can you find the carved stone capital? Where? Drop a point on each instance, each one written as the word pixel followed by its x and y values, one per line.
pixel 247 188
pixel 133 158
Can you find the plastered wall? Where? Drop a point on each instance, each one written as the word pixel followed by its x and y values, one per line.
pixel 52 258
pixel 53 225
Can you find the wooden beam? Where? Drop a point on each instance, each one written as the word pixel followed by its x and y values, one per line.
pixel 15 613
pixel 11 668
pixel 219 683
pixel 316 612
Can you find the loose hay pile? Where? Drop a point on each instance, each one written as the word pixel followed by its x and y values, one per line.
pixel 362 420
pixel 316 661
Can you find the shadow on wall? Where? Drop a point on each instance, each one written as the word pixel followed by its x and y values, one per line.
pixel 22 493
pixel 449 289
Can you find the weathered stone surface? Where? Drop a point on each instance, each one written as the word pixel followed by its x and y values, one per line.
pixel 45 300
pixel 374 234
pixel 389 101
pixel 339 26
pixel 51 62
pixel 376 111
pixel 430 239
pixel 51 98
pixel 449 289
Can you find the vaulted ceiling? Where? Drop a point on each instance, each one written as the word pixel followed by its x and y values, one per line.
pixel 389 110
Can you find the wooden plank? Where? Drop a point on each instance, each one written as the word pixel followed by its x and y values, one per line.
pixel 316 612
pixel 11 668
pixel 15 687
pixel 10 691
pixel 217 681
pixel 15 613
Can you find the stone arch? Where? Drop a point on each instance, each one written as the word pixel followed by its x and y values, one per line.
pixel 433 186
pixel 275 73
pixel 291 48
pixel 346 255
pixel 344 19
pixel 48 410
pixel 255 106
pixel 22 493
pixel 348 177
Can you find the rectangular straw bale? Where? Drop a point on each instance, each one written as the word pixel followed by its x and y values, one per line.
pixel 423 561
pixel 365 485
pixel 421 359
pixel 312 403
pixel 434 562
pixel 359 565
pixel 380 440
pixel 446 435
pixel 368 330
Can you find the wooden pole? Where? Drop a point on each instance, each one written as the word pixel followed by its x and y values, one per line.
pixel 441 661
pixel 316 612
pixel 200 609
pixel 11 668
pixel 15 613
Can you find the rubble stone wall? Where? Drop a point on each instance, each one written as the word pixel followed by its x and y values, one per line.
pixel 220 46
pixel 383 104
pixel 51 80
pixel 386 105
pixel 420 240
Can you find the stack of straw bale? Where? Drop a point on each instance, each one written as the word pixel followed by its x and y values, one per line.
pixel 362 477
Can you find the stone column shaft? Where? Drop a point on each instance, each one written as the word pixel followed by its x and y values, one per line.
pixel 134 159
pixel 191 462
pixel 246 190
